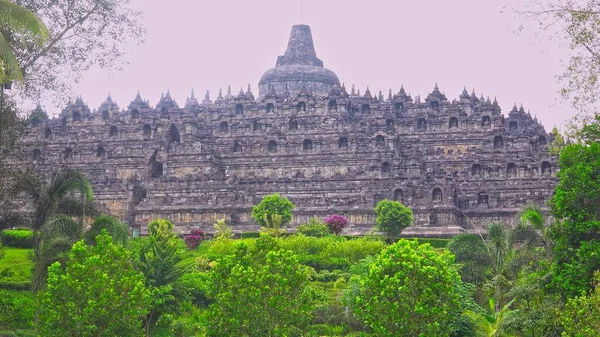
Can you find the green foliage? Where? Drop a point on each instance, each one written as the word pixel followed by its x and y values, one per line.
pixel 392 217
pixel 161 258
pixel 118 230
pixel 578 191
pixel 314 227
pixel 16 310
pixel 222 231
pixel 273 225
pixel 270 205
pixel 17 238
pixel 98 293
pixel 331 252
pixel 472 256
pixel 538 311
pixel 435 243
pixel 581 316
pixel 259 291
pixel 15 269
pixel 558 143
pixel 410 290
pixel 575 205
pixel 490 324
pixel 18 21
pixel 250 235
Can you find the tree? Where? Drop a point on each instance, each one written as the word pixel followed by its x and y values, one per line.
pixel 222 231
pixel 472 255
pixel 410 290
pixel 336 223
pixel 17 21
pixel 97 293
pixel 270 205
pixel 581 316
pixel 491 324
pixel 558 143
pixel 576 23
pixel 576 235
pixel 66 197
pixel 161 259
pixel 259 291
pixel 392 217
pixel 83 33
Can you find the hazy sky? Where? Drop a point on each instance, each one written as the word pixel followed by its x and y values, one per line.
pixel 210 44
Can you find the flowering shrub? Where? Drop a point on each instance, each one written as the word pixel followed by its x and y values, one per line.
pixel 336 223
pixel 193 239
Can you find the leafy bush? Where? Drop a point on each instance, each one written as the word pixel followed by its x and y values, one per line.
pixel 331 252
pixel 435 243
pixel 222 231
pixel 97 285
pixel 18 238
pixel 193 239
pixel 392 217
pixel 336 223
pixel 315 228
pixel 271 205
pixel 16 309
pixel 261 291
pixel 250 235
pixel 410 290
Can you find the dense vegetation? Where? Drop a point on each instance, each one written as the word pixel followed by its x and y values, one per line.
pixel 76 272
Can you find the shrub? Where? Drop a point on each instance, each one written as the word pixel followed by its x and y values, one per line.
pixel 18 238
pixel 331 252
pixel 260 291
pixel 250 235
pixel 97 293
pixel 392 217
pixel 270 205
pixel 16 309
pixel 336 223
pixel 193 239
pixel 409 290
pixel 222 231
pixel 315 228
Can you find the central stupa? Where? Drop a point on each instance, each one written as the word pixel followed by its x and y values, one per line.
pixel 299 68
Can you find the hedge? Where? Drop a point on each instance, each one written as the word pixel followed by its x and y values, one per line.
pixel 17 238
pixel 250 235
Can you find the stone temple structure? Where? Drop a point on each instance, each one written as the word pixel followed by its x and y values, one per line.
pixel 458 163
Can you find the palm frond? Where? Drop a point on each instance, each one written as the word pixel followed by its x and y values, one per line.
pixel 68 181
pixel 21 20
pixel 9 65
pixel 51 250
pixel 62 226
pixel 532 216
pixel 116 229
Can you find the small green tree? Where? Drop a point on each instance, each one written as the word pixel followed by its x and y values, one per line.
pixel 410 290
pixel 392 217
pixel 259 291
pixel 222 231
pixel 161 258
pixel 581 316
pixel 98 293
pixel 270 205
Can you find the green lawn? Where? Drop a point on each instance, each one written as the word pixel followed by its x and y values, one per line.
pixel 15 268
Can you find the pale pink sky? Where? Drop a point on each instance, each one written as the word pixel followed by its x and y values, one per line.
pixel 209 44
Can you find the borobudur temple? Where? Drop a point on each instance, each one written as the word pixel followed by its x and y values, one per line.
pixel 459 164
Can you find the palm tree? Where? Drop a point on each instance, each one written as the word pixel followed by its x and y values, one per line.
pixel 490 324
pixel 60 209
pixel 15 19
